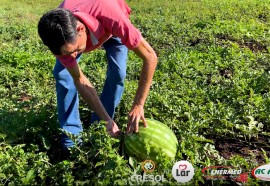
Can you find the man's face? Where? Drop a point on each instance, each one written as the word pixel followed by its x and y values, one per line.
pixel 80 45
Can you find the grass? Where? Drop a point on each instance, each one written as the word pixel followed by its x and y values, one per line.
pixel 211 80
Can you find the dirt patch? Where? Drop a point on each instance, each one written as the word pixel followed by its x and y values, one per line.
pixel 226 73
pixel 196 42
pixel 229 148
pixel 254 46
pixel 24 97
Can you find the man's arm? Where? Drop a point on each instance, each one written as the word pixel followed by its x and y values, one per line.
pixel 149 57
pixel 89 94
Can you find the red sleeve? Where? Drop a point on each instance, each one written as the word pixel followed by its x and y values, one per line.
pixel 67 61
pixel 130 36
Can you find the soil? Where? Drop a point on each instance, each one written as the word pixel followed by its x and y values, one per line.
pixel 24 97
pixel 228 147
pixel 254 46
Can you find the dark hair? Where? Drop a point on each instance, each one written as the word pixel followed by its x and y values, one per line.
pixel 57 27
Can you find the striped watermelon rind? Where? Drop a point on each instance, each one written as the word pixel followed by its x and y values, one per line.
pixel 149 141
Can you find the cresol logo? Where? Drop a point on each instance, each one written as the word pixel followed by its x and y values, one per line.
pixel 262 172
pixel 148 166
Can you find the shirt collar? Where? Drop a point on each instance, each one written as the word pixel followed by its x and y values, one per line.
pixel 94 26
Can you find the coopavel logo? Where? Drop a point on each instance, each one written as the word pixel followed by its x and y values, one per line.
pixel 183 171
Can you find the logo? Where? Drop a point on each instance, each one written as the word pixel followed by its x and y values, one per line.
pixel 148 166
pixel 183 171
pixel 226 173
pixel 262 172
pixel 182 167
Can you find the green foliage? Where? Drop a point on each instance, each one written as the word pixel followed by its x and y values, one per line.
pixel 212 79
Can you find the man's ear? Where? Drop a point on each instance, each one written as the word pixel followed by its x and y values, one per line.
pixel 80 27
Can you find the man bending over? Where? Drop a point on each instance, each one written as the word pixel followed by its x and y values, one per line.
pixel 80 26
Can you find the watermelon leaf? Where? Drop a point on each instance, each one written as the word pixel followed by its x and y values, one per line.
pixel 138 169
pixel 132 162
pixel 99 164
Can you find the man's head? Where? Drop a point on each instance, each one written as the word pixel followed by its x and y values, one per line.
pixel 62 32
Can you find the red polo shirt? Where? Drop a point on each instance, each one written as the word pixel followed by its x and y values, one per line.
pixel 104 18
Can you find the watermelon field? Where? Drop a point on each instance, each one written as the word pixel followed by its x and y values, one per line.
pixel 211 88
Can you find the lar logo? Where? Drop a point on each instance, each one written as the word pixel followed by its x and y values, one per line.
pixel 148 166
pixel 183 171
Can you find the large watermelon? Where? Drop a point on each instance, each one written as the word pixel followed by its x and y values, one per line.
pixel 150 140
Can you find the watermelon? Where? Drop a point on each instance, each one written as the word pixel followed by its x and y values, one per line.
pixel 149 141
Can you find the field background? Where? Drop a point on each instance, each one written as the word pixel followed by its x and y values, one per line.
pixel 211 87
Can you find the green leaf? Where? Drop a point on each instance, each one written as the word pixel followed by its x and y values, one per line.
pixel 265 155
pixel 132 162
pixel 120 182
pixel 99 163
pixel 65 162
pixel 30 175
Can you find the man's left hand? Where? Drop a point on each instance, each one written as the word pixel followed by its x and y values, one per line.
pixel 112 129
pixel 136 114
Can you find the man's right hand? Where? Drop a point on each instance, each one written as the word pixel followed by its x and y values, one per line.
pixel 112 129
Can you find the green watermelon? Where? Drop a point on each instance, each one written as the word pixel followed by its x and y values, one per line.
pixel 150 140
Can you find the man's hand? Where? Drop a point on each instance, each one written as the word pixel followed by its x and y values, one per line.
pixel 136 114
pixel 112 129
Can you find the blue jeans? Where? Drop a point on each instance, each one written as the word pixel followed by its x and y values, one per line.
pixel 67 95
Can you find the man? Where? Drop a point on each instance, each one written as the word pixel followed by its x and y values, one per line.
pixel 80 26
